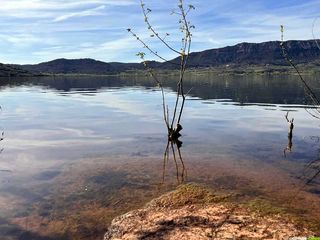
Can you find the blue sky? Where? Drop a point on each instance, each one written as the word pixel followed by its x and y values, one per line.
pixel 33 31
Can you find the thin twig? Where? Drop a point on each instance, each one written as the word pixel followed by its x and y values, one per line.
pixel 307 88
pixel 165 111
pixel 313 35
pixel 147 47
pixel 146 19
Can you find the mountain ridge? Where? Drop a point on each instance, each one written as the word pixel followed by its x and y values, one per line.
pixel 7 70
pixel 242 54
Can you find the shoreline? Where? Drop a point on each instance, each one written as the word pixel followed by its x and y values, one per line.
pixel 224 70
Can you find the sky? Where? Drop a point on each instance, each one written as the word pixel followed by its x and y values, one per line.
pixel 34 31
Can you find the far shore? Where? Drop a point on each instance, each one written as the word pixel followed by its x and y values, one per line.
pixel 225 70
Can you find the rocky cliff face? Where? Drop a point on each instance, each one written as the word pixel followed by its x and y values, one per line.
pixel 257 53
pixel 192 212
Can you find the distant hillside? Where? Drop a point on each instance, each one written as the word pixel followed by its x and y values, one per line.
pixel 13 71
pixel 242 54
pixel 81 66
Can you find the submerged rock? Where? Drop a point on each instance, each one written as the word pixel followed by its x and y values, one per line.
pixel 193 212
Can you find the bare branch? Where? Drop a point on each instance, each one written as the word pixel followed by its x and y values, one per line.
pixel 154 76
pixel 286 116
pixel 313 35
pixel 146 19
pixel 172 124
pixel 147 47
pixel 307 88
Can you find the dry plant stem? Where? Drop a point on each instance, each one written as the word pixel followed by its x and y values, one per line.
pixel 185 58
pixel 313 115
pixel 178 97
pixel 316 102
pixel 308 90
pixel 182 88
pixel 183 64
pixel 165 111
pixel 313 35
pixel 174 124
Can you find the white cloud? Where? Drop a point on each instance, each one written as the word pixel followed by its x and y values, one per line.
pixel 49 29
pixel 24 39
pixel 49 8
pixel 220 25
pixel 10 5
pixel 90 12
pixel 108 51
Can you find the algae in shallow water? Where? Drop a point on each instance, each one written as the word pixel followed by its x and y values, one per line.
pixel 186 194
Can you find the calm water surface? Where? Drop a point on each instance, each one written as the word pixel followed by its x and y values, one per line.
pixel 78 151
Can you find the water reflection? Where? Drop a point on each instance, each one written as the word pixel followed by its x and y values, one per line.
pixel 83 140
pixel 1 148
pixel 267 89
pixel 174 147
pixel 308 177
pixel 290 135
pixel 312 169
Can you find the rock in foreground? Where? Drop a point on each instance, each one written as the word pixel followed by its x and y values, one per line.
pixel 192 212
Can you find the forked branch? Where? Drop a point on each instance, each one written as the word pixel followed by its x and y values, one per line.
pixel 173 125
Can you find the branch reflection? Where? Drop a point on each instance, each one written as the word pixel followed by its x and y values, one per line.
pixel 288 148
pixel 309 174
pixel 174 147
pixel 312 168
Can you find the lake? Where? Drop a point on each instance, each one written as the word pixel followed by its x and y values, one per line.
pixel 78 151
